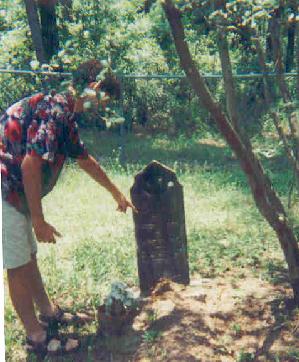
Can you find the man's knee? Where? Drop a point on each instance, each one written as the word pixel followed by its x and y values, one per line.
pixel 15 272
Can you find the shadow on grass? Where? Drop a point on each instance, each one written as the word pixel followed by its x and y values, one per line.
pixel 187 336
pixel 282 310
pixel 185 153
pixel 144 149
pixel 277 273
pixel 196 333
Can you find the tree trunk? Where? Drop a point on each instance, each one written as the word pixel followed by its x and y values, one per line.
pixel 269 48
pixel 272 23
pixel 67 9
pixel 265 198
pixel 297 57
pixel 49 27
pixel 229 86
pixel 262 62
pixel 147 5
pixel 278 59
pixel 34 24
pixel 290 51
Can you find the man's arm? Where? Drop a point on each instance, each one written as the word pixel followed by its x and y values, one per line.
pixel 93 169
pixel 31 173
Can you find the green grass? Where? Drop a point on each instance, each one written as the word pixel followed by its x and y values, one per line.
pixel 225 230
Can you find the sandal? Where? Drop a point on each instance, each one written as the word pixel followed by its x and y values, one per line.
pixel 63 318
pixel 52 346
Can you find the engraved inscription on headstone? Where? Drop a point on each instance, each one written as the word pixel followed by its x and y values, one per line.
pixel 159 227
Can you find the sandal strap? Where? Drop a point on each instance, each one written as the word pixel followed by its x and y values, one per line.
pixel 57 317
pixel 53 321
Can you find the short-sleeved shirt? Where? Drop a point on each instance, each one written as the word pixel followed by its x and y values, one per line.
pixel 43 125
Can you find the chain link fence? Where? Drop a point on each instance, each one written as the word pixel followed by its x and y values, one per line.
pixel 156 103
pixel 168 104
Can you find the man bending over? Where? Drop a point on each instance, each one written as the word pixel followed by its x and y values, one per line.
pixel 37 134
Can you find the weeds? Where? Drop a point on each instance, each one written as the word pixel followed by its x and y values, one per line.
pixel 236 328
pixel 151 336
pixel 245 357
pixel 294 354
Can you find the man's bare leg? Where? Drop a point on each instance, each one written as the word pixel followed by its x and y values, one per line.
pixel 25 287
pixel 39 295
pixel 19 282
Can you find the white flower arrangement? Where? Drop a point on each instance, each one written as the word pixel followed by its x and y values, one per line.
pixel 120 299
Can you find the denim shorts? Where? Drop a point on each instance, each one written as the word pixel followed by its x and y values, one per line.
pixel 18 240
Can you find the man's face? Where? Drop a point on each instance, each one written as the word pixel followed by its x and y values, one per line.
pixel 95 99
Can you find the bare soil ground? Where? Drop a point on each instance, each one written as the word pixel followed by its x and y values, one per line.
pixel 209 320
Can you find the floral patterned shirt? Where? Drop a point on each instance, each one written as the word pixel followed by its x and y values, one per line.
pixel 43 125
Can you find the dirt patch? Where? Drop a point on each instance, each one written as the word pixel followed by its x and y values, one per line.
pixel 209 320
pixel 216 320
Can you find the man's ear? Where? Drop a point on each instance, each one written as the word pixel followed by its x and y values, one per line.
pixel 98 85
pixel 95 85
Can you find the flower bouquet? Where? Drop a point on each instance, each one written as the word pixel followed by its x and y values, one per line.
pixel 118 311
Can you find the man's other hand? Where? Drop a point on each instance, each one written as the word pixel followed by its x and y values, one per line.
pixel 44 232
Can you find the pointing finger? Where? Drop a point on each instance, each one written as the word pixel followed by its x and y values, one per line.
pixel 132 207
pixel 57 233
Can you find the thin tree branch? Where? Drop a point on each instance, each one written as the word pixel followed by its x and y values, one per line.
pixel 229 85
pixel 278 60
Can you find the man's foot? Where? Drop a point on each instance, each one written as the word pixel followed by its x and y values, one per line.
pixel 47 345
pixel 61 317
pixel 38 337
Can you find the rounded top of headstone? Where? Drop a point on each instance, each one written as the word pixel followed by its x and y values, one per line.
pixel 156 178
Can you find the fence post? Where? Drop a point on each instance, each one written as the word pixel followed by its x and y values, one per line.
pixel 159 227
